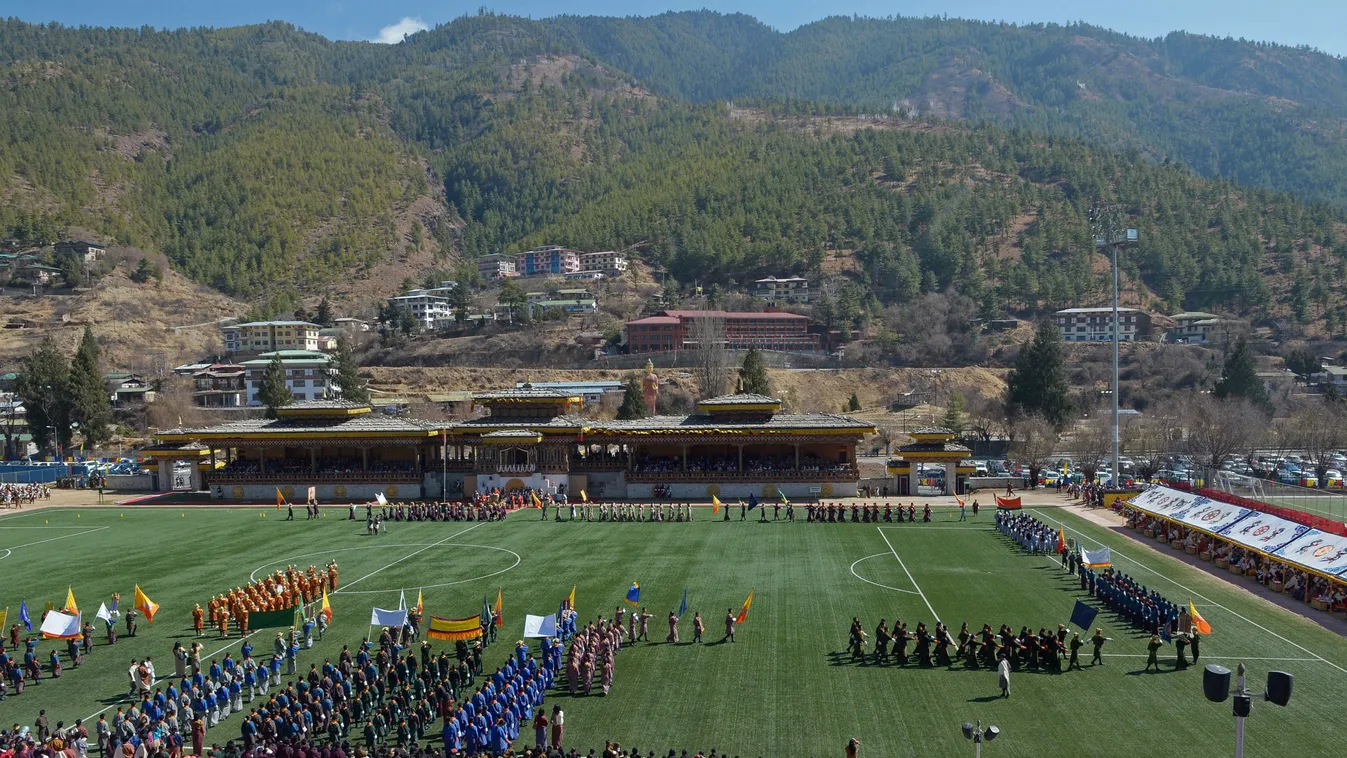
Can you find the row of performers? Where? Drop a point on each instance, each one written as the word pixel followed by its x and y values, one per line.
pixel 1041 650
pixel 871 514
pixel 651 512
pixel 284 589
pixel 423 511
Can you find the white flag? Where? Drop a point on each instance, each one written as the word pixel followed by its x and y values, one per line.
pixel 394 619
pixel 104 613
pixel 382 500
pixel 1096 558
pixel 61 626
pixel 540 626
pixel 402 601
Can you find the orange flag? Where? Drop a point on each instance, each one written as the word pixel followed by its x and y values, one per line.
pixel 715 504
pixel 1200 623
pixel 145 605
pixel 500 616
pixel 743 612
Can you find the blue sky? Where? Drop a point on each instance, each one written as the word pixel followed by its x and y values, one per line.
pixel 1319 23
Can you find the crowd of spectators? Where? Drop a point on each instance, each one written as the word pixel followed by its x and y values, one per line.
pixel 752 462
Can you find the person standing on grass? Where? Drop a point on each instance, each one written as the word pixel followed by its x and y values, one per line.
pixel 698 627
pixel 1075 652
pixel 729 625
pixel 644 618
pixel 1003 675
pixel 963 512
pixel 131 622
pixel 1151 649
pixel 673 628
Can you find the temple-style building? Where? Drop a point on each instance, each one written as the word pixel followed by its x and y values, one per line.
pixel 733 447
pixel 932 447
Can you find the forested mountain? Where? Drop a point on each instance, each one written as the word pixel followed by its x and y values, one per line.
pixel 264 158
pixel 1261 114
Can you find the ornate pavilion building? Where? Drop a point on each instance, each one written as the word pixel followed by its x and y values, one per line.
pixel 734 446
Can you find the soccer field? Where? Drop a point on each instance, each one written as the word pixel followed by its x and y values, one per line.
pixel 784 689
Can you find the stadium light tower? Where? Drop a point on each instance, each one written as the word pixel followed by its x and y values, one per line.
pixel 1106 223
pixel 1216 686
pixel 979 735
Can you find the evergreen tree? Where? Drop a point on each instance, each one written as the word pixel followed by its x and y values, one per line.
pixel 44 387
pixel 87 396
pixel 1239 378
pixel 323 316
pixel 1302 362
pixel 854 404
pixel 512 296
pixel 460 298
pixel 954 414
pixel 753 374
pixel 1037 384
pixel 348 381
pixel 274 393
pixel 633 404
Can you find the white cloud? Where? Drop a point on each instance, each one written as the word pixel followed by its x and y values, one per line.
pixel 393 33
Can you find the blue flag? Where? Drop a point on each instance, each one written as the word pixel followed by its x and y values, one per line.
pixel 23 616
pixel 752 501
pixel 634 594
pixel 1082 616
pixel 683 606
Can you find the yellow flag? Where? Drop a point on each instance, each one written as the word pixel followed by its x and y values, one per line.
pixel 70 606
pixel 145 605
pixel 536 502
pixel 584 496
pixel 327 608
pixel 1202 626
pixel 279 498
pixel 420 606
pixel 715 504
pixel 4 617
pixel 743 611
pixel 572 597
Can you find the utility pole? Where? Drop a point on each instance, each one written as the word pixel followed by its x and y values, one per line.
pixel 1106 223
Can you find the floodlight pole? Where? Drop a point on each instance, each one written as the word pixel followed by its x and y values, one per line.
pixel 1117 470
pixel 1240 691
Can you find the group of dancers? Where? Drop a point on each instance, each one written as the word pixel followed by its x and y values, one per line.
pixel 1037 651
pixel 647 512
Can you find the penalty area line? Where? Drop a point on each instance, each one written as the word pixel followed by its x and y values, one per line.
pixel 909 576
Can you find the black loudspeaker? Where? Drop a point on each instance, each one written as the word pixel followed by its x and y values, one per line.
pixel 1216 683
pixel 992 731
pixel 968 730
pixel 1243 706
pixel 1279 687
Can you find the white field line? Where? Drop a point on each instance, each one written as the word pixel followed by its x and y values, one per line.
pixel 1217 658
pixel 877 584
pixel 1203 598
pixel 53 539
pixel 909 575
pixel 405 557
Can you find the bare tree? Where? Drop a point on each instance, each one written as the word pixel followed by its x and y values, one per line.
pixel 1317 430
pixel 711 356
pixel 1148 439
pixel 986 417
pixel 1033 441
pixel 1092 441
pixel 173 406
pixel 1218 429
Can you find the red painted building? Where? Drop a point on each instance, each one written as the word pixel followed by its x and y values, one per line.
pixel 677 330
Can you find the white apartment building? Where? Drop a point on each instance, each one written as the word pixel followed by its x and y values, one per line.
pixel 604 261
pixel 268 336
pixel 308 373
pixel 790 289
pixel 430 311
pixel 1096 324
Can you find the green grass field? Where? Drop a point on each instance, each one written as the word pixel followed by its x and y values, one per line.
pixel 783 689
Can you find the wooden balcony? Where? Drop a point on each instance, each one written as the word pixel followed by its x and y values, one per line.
pixel 770 477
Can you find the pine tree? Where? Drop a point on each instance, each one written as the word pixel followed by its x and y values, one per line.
pixel 954 414
pixel 274 393
pixel 323 316
pixel 512 296
pixel 1037 384
pixel 87 396
pixel 44 387
pixel 633 404
pixel 854 404
pixel 348 381
pixel 753 374
pixel 1239 378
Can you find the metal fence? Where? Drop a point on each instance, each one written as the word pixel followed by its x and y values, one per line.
pixel 1328 503
pixel 39 474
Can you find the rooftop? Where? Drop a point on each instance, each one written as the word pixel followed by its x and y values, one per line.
pixel 1103 309
pixel 278 323
pixel 775 315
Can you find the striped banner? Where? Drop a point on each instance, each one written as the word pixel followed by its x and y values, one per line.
pixel 453 630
